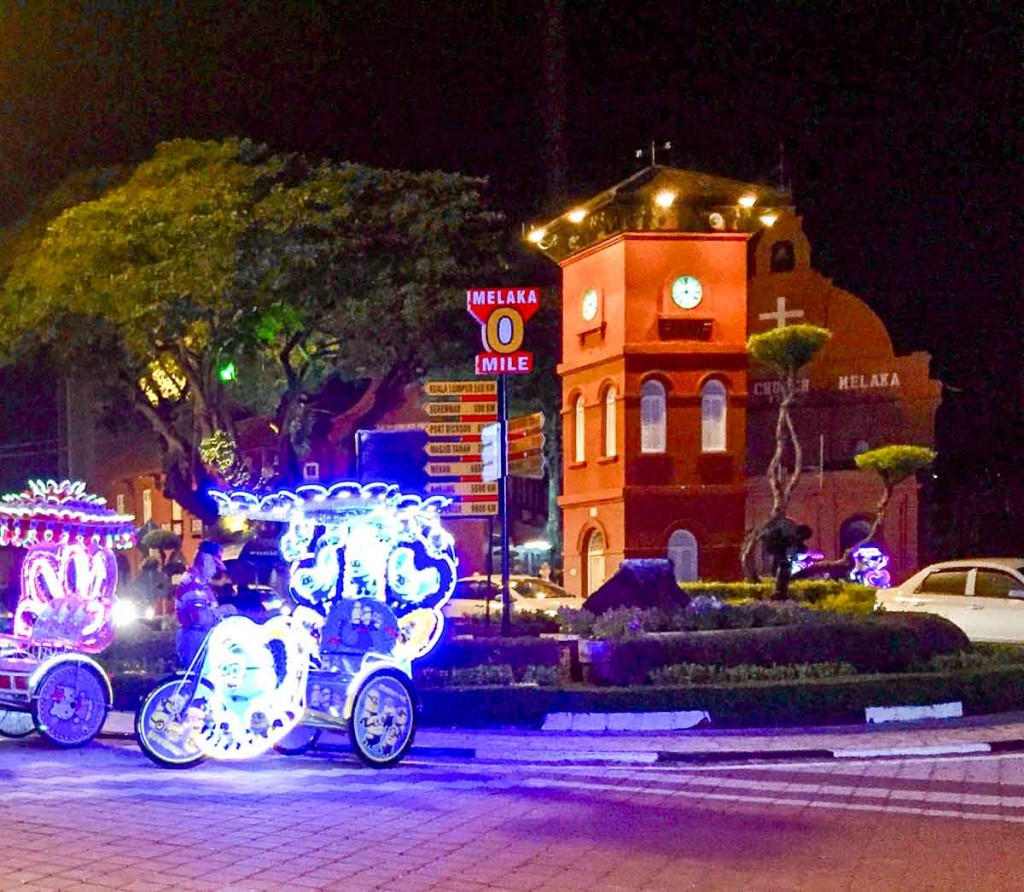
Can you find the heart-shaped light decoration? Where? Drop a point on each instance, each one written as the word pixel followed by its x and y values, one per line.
pixel 67 595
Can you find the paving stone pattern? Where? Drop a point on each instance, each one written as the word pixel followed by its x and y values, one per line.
pixel 104 818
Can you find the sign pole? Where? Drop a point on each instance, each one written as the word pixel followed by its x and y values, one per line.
pixel 506 605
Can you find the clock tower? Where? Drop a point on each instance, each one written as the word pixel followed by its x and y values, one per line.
pixel 654 371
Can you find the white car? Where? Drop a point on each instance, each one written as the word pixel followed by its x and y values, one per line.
pixel 983 596
pixel 474 596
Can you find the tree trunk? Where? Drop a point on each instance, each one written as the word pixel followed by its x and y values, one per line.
pixel 782 574
pixel 187 491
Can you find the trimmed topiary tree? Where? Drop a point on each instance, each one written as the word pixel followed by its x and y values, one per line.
pixel 786 351
pixel 164 542
pixel 893 464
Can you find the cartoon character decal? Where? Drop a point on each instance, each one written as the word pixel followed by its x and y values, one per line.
pixel 254 686
pixel 391 557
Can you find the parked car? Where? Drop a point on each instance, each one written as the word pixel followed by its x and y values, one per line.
pixel 983 596
pixel 474 596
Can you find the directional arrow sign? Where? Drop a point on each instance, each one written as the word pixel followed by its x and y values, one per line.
pixel 463 489
pixel 532 467
pixel 525 445
pixel 454 428
pixel 458 388
pixel 462 408
pixel 454 468
pixel 444 450
pixel 526 424
pixel 471 509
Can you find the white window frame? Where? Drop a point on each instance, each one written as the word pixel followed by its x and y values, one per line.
pixel 713 396
pixel 652 417
pixel 610 422
pixel 580 439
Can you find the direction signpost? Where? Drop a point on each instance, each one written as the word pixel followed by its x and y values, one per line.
pixel 502 314
pixel 459 411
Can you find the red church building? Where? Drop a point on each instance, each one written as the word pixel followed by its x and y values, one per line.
pixel 667 428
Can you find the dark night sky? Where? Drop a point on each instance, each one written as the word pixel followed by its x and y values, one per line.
pixel 899 121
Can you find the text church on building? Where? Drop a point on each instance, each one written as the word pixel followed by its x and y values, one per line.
pixel 668 428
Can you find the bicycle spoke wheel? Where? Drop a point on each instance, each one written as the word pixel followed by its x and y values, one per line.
pixel 167 725
pixel 16 724
pixel 69 704
pixel 383 722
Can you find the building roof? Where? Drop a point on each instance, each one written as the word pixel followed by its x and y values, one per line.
pixel 661 199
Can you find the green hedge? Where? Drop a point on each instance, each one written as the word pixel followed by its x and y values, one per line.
pixel 764 704
pixel 806 591
pixel 518 653
pixel 140 650
pixel 883 643
pixel 776 704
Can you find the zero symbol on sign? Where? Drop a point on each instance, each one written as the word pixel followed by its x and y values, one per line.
pixel 504 330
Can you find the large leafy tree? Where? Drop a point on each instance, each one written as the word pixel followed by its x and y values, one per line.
pixel 293 271
pixel 785 351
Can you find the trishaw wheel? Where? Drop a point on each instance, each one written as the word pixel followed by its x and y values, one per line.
pixel 16 724
pixel 166 731
pixel 383 720
pixel 69 704
pixel 299 740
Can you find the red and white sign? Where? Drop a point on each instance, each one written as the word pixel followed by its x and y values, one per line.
pixel 503 314
pixel 482 302
pixel 508 364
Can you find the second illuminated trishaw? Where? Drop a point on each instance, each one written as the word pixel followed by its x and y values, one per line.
pixel 49 681
pixel 370 570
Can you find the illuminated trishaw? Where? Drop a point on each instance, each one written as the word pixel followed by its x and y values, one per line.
pixel 370 569
pixel 48 681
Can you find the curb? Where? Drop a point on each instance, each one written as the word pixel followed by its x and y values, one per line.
pixel 669 757
pixel 952 749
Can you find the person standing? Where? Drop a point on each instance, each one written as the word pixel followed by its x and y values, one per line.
pixel 196 602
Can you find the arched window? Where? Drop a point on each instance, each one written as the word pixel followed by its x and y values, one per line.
pixel 610 448
pixel 595 562
pixel 712 417
pixel 853 530
pixel 682 551
pixel 652 416
pixel 783 257
pixel 580 444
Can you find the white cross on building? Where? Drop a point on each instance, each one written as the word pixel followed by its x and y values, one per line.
pixel 781 315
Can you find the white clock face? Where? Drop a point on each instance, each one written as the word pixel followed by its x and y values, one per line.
pixel 687 292
pixel 589 306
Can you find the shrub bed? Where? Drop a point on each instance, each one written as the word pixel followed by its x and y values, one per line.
pixel 816 593
pixel 525 623
pixel 774 704
pixel 140 650
pixel 883 643
pixel 459 653
pixel 545 676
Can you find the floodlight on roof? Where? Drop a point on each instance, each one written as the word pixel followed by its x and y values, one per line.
pixel 665 198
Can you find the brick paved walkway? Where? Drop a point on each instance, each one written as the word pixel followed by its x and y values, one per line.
pixel 104 818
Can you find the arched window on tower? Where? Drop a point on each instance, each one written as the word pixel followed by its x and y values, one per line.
pixel 580 431
pixel 682 552
pixel 783 257
pixel 595 568
pixel 712 417
pixel 610 446
pixel 652 416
